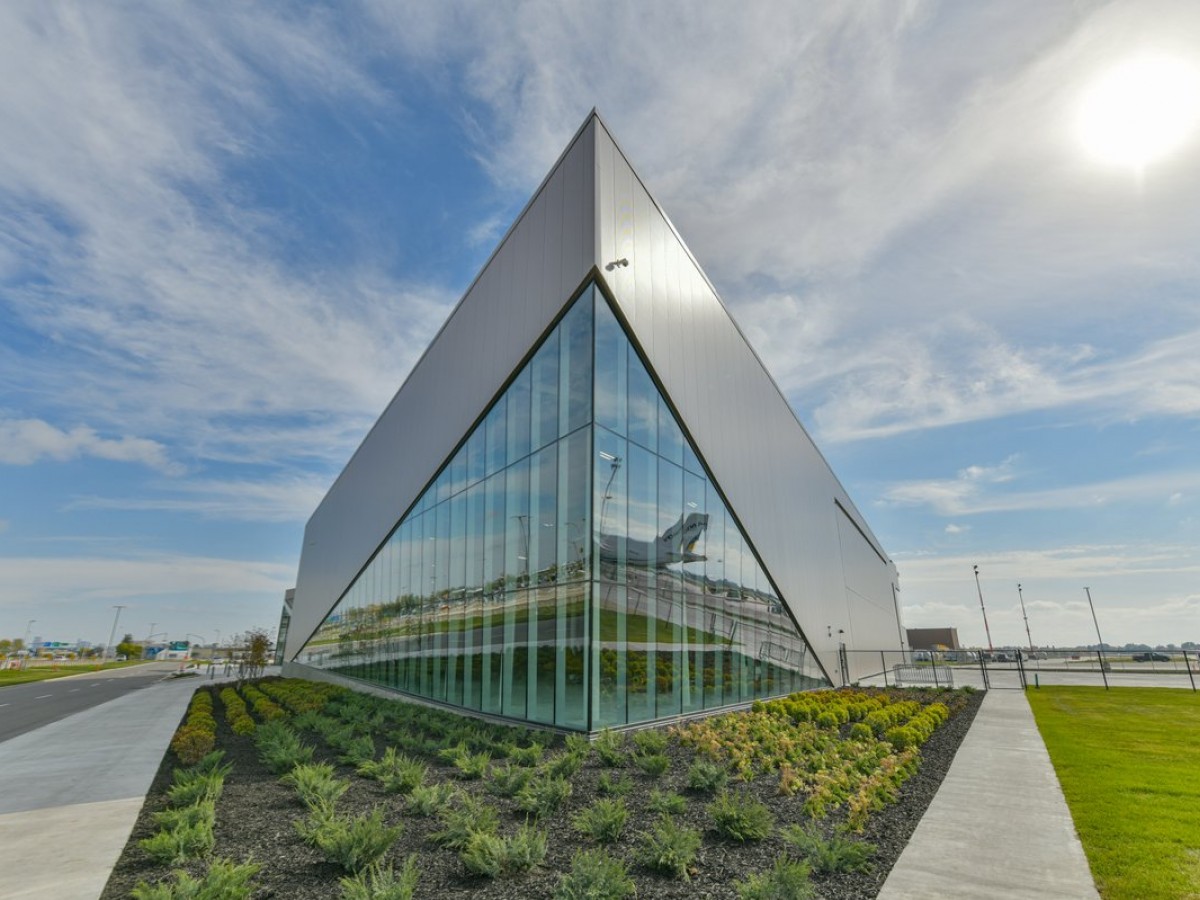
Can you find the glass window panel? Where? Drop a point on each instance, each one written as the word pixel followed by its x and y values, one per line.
pixel 544 387
pixel 475 500
pixel 641 552
pixel 476 457
pixel 691 462
pixel 575 366
pixel 642 408
pixel 495 441
pixel 458 471
pixel 518 416
pixel 611 368
pixel 668 608
pixel 670 438
pixel 543 516
pixel 570 644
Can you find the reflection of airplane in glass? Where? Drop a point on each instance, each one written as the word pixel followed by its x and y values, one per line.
pixel 675 545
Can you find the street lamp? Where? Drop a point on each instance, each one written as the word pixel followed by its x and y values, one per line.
pixel 981 609
pixel 1025 617
pixel 25 642
pixel 1100 640
pixel 113 632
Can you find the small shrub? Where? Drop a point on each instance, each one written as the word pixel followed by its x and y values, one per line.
pixel 186 816
pixel 490 855
pixel 181 843
pixel 543 795
pixel 619 787
pixel 595 875
pixel 399 774
pixel 193 787
pixel 829 855
pixel 507 781
pixel 210 764
pixel 355 843
pixel 279 747
pixel 192 742
pixel 472 766
pixel 526 756
pixel 707 777
pixel 243 725
pixel 224 880
pixel 429 800
pixel 603 821
pixel 669 848
pixel 788 880
pixel 650 741
pixel 358 750
pixel 861 731
pixel 378 883
pixel 578 744
pixel 653 764
pixel 827 719
pixel 315 783
pixel 564 765
pixel 740 817
pixel 610 748
pixel 459 823
pixel 666 803
pixel 901 737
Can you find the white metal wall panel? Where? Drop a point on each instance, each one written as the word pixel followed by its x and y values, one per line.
pixel 777 483
pixel 543 258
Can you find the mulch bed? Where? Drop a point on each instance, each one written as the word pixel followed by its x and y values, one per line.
pixel 255 817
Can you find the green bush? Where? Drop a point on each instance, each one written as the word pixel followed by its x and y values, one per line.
pixel 578 744
pixel 650 741
pixel 788 880
pixel 669 848
pixel 492 856
pixel 224 880
pixel 181 843
pixel 186 816
pixel 653 764
pixel 827 719
pixel 378 883
pixel 472 766
pixel 526 756
pixel 861 731
pixel 358 750
pixel 192 742
pixel 508 780
pixel 666 803
pixel 429 800
pixel 740 817
pixel 210 764
pixel 472 816
pixel 279 747
pixel 829 855
pixel 707 777
pixel 399 774
pixel 191 787
pixel 603 821
pixel 610 748
pixel 543 795
pixel 595 875
pixel 564 765
pixel 315 783
pixel 607 784
pixel 902 737
pixel 353 843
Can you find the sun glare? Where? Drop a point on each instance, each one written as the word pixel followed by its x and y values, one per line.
pixel 1140 111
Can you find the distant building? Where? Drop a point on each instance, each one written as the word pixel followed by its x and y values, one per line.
pixel 933 638
pixel 589 505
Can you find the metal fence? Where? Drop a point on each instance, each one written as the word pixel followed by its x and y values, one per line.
pixel 1018 669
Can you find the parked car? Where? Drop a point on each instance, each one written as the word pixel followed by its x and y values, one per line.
pixel 1151 657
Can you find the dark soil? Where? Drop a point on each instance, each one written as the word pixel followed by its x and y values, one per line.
pixel 256 815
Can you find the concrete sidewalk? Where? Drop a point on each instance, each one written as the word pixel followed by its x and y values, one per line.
pixel 70 792
pixel 999 826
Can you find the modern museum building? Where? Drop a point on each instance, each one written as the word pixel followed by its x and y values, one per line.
pixel 589 505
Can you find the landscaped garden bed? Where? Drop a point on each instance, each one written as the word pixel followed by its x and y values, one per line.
pixel 333 793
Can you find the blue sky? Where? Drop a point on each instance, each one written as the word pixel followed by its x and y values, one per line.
pixel 228 231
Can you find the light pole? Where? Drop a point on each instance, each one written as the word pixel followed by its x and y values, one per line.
pixel 982 610
pixel 150 633
pixel 1100 640
pixel 1025 617
pixel 113 632
pixel 25 642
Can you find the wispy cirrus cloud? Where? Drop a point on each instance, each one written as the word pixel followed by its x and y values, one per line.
pixel 277 500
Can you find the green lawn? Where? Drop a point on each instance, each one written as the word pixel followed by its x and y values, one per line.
pixel 1129 763
pixel 44 673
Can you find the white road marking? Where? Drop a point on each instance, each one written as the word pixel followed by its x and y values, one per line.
pixel 5 704
pixel 43 697
pixel 72 690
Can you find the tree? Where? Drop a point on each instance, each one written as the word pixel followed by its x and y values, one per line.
pixel 128 648
pixel 258 645
pixel 5 646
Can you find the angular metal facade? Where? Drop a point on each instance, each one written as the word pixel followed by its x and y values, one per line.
pixel 593 220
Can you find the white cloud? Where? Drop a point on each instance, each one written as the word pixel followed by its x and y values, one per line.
pixel 953 528
pixel 286 500
pixel 972 492
pixel 27 441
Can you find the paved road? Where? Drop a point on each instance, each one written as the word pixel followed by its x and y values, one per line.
pixel 25 707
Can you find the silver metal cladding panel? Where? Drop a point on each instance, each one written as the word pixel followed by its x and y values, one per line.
pixel 540 262
pixel 777 483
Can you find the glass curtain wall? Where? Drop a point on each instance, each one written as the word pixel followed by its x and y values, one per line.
pixel 573 564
